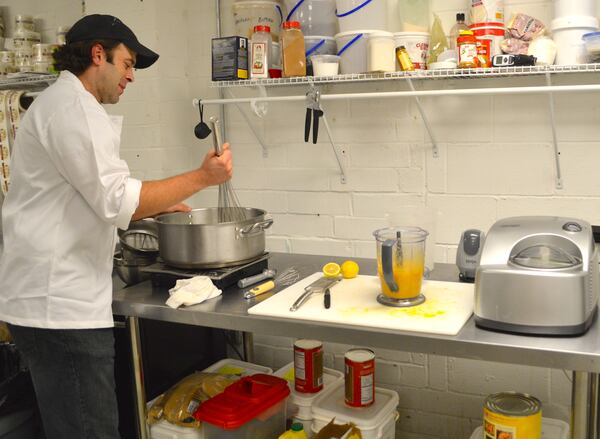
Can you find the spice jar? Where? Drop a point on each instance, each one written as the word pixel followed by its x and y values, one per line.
pixel 404 61
pixel 466 44
pixel 293 52
pixel 261 52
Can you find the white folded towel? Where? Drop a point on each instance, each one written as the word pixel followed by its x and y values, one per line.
pixel 192 291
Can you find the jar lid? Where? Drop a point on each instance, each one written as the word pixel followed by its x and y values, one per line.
pixel 291 25
pixel 262 28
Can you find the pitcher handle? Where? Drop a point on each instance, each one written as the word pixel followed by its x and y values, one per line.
pixel 387 260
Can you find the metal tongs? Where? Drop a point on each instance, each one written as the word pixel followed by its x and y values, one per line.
pixel 318 286
pixel 314 112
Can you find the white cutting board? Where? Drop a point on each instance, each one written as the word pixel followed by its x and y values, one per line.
pixel 447 307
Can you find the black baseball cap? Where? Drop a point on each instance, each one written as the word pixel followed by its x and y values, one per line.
pixel 107 27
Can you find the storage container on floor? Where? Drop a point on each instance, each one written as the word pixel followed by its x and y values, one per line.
pixel 317 17
pixel 551 429
pixel 354 15
pixel 228 366
pixel 567 33
pixel 378 421
pixel 248 14
pixel 299 406
pixel 253 407
pixel 353 48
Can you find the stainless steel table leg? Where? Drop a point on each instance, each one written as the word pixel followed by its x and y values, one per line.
pixel 248 341
pixel 140 392
pixel 584 405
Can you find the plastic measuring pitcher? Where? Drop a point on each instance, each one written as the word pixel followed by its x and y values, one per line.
pixel 401 260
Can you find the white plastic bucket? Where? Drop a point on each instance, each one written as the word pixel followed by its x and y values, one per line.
pixel 352 47
pixel 417 46
pixel 354 15
pixel 317 17
pixel 381 52
pixel 248 14
pixel 493 33
pixel 565 8
pixel 377 421
pixel 567 33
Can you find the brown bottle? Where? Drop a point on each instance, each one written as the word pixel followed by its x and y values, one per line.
pixel 293 53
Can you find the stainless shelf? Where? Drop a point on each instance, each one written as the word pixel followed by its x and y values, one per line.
pixel 420 74
pixel 27 80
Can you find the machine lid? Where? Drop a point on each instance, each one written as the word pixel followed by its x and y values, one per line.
pixel 545 256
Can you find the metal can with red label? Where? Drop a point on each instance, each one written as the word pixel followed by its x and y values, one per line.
pixel 359 366
pixel 308 366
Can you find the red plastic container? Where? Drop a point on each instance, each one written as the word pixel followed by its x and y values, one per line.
pixel 254 405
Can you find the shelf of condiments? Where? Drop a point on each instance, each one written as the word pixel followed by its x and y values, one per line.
pixel 24 51
pixel 296 38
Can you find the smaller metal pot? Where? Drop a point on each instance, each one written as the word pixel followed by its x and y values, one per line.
pixel 197 239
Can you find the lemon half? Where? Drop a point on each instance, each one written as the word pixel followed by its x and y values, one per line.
pixel 331 269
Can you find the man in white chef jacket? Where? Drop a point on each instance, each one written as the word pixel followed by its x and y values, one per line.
pixel 69 191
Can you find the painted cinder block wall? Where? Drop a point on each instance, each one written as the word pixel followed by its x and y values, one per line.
pixel 496 160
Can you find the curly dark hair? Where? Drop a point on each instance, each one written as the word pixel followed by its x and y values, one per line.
pixel 76 57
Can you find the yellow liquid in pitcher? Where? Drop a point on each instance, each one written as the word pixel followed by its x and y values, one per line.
pixel 408 276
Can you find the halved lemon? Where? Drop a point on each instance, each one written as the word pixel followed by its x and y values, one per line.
pixel 331 269
pixel 350 269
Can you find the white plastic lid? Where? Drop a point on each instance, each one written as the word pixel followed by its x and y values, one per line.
pixel 330 378
pixel 574 21
pixel 318 38
pixel 330 404
pixel 411 34
pixel 356 32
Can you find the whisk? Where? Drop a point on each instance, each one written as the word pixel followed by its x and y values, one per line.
pixel 287 277
pixel 228 209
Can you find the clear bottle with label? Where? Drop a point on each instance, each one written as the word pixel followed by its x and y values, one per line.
pixel 455 31
pixel 293 52
pixel 261 49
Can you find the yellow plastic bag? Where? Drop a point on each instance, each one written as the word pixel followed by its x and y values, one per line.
pixel 179 403
pixel 437 41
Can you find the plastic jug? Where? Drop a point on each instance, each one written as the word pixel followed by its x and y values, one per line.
pixel 295 432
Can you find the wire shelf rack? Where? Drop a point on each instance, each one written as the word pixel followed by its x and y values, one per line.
pixel 26 80
pixel 420 74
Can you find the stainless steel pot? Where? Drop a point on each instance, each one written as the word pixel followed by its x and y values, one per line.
pixel 197 239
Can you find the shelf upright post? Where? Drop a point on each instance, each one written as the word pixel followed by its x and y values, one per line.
pixel 559 183
pixel 425 120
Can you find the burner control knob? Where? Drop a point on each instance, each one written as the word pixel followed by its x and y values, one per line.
pixel 572 227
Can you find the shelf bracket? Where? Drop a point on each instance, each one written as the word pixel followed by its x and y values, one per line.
pixel 265 150
pixel 313 101
pixel 434 144
pixel 558 183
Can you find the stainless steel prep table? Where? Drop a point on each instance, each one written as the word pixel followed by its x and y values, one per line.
pixel 579 354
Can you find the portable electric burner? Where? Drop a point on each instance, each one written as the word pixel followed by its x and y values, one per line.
pixel 163 275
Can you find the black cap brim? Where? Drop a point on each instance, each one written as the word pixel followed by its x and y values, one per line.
pixel 144 56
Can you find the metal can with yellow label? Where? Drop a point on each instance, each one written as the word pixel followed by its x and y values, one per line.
pixel 512 415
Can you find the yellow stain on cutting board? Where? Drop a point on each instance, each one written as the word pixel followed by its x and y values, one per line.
pixel 431 308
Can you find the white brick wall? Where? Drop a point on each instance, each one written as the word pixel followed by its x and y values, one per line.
pixel 495 160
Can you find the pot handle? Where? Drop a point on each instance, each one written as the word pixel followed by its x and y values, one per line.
pixel 254 229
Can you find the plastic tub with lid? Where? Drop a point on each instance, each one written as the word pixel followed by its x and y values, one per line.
pixel 354 15
pixel 377 421
pixel 299 407
pixel 317 17
pixel 353 50
pixel 248 14
pixel 417 46
pixel 551 429
pixel 567 33
pixel 565 8
pixel 254 406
